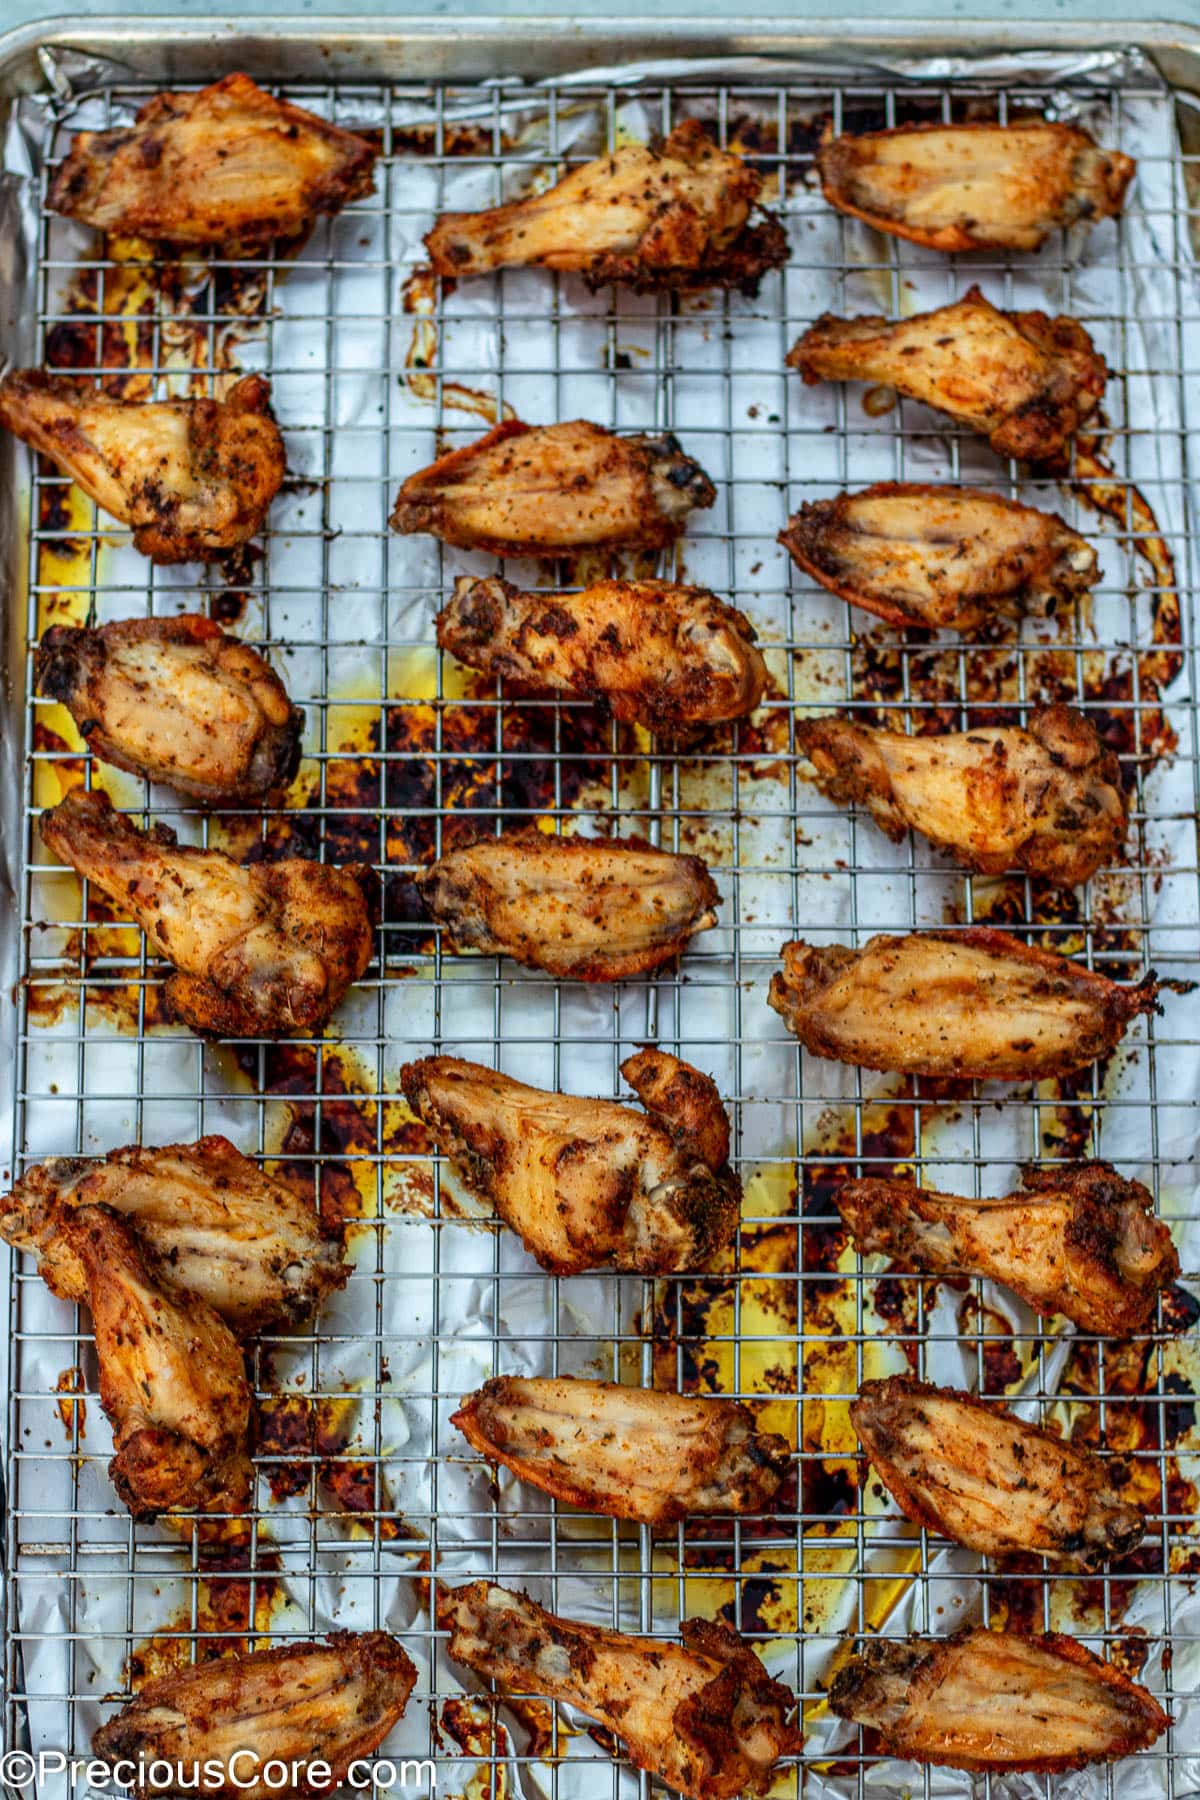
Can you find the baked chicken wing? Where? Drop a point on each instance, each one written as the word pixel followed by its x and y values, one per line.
pixel 178 701
pixel 974 187
pixel 940 558
pixel 593 909
pixel 590 1184
pixel 1047 799
pixel 1023 379
pixel 674 215
pixel 265 950
pixel 228 168
pixel 996 1700
pixel 704 1715
pixel 666 657
pixel 971 1005
pixel 1079 1240
pixel 299 1705
pixel 548 490
pixel 627 1452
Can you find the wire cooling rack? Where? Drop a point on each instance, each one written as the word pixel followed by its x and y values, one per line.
pixel 367 1498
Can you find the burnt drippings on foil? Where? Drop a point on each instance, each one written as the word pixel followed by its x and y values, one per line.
pixel 233 1599
pixel 473 1726
pixel 71 1389
pixel 305 1446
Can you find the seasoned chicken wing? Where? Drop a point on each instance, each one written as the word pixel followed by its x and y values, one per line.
pixel 666 657
pixel 589 1184
pixel 973 1005
pixel 940 558
pixel 1023 379
pixel 177 701
pixel 1047 799
pixel 976 1474
pixel 269 949
pixel 593 909
pixel 1079 1240
pixel 974 187
pixel 674 215
pixel 228 168
pixel 300 1704
pixel 996 1700
pixel 546 490
pixel 704 1715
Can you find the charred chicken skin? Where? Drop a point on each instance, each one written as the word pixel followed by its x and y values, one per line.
pixel 1080 1240
pixel 549 490
pixel 1046 799
pixel 270 949
pixel 590 1184
pixel 704 1715
pixel 178 701
pixel 674 216
pixel 1024 380
pixel 229 168
pixel 996 1700
pixel 974 187
pixel 971 1005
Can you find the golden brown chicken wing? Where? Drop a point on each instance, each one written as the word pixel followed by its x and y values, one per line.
pixel 301 1704
pixel 547 490
pixel 194 478
pixel 1023 379
pixel 704 1715
pixel 974 187
pixel 996 1700
pixel 264 950
pixel 940 557
pixel 1047 799
pixel 1079 1240
pixel 971 1005
pixel 590 1184
pixel 228 168
pixel 177 701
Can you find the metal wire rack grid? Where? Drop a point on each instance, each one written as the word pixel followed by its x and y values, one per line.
pixel 346 609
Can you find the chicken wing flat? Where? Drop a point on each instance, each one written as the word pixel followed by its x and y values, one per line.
pixel 1023 379
pixel 1078 1240
pixel 971 1005
pixel 589 1184
pixel 674 215
pixel 300 1704
pixel 940 558
pixel 178 701
pixel 270 949
pixel 593 909
pixel 229 168
pixel 976 1474
pixel 547 490
pixel 651 653
pixel 1047 799
pixel 704 1715
pixel 974 187
pixel 996 1700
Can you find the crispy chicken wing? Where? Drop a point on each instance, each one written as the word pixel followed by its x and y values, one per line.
pixel 940 557
pixel 674 215
pixel 1023 379
pixel 177 701
pixel 590 1184
pixel 228 168
pixel 298 1704
pixel 264 950
pixel 1047 799
pixel 996 1700
pixel 971 1005
pixel 704 1715
pixel 974 187
pixel 1078 1240
pixel 546 490
pixel 976 1474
